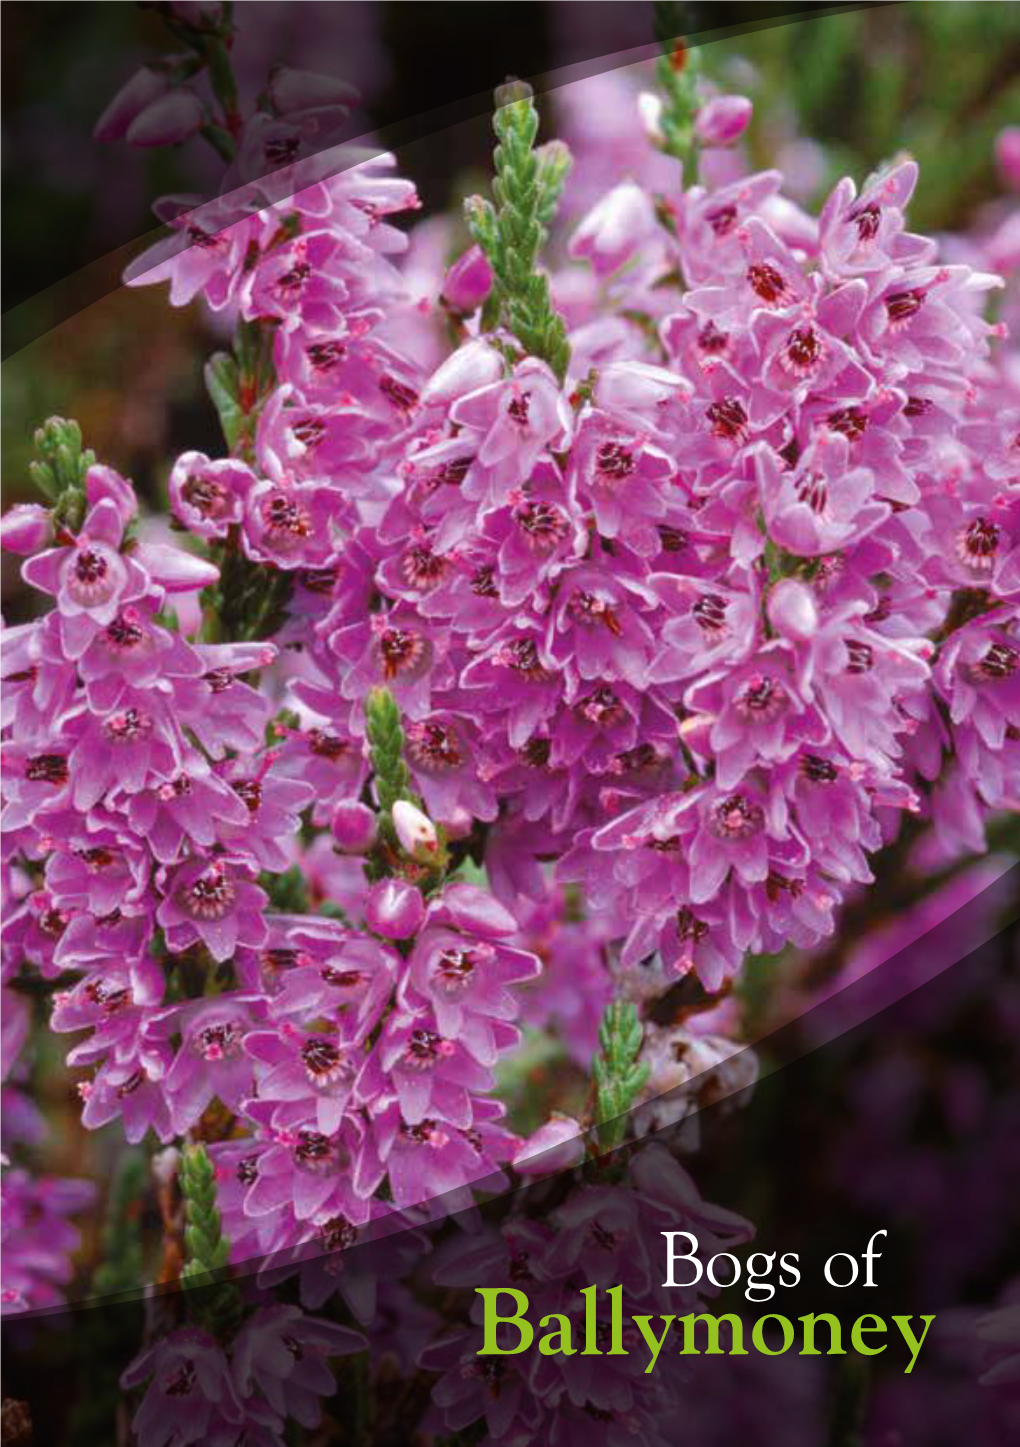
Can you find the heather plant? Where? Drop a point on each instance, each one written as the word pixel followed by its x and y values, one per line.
pixel 580 641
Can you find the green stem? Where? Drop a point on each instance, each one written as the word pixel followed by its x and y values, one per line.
pixel 217 1302
pixel 526 189
pixel 619 1077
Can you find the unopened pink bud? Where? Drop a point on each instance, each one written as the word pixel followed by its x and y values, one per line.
pixel 792 610
pixel 720 121
pixel 394 909
pixel 475 364
pixel 614 228
pixel 25 529
pixel 555 1146
pixel 1007 154
pixel 175 570
pixel 468 281
pixel 168 121
pixel 415 830
pixel 144 87
pixel 475 910
pixel 354 827
pixel 308 90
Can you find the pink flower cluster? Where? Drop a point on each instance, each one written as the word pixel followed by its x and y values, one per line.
pixel 591 1239
pixel 39 1240
pixel 275 1370
pixel 676 643
pixel 702 623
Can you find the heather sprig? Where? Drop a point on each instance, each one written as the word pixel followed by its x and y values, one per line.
pixel 677 71
pixel 218 1306
pixel 386 744
pixel 526 187
pixel 60 474
pixel 619 1075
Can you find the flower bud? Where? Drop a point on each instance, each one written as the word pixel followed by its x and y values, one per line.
pixel 306 90
pixel 470 908
pixel 175 570
pixel 168 121
pixel 792 610
pixel 1007 154
pixel 512 93
pixel 649 108
pixel 468 281
pixel 721 120
pixel 415 830
pixel 475 364
pixel 25 529
pixel 614 228
pixel 394 909
pixel 145 86
pixel 555 1146
pixel 354 827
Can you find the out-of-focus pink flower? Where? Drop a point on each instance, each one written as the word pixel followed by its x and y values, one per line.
pixel 144 88
pixel 168 121
pixel 723 119
pixel 1007 154
pixel 615 228
pixel 555 1146
pixel 302 90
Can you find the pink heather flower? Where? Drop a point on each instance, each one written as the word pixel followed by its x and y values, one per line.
pixel 353 826
pixel 510 423
pixel 298 90
pixel 615 229
pixel 468 281
pixel 210 1061
pixel 281 1354
pixel 167 121
pixel 212 902
pixel 25 528
pixel 556 1146
pixel 39 1239
pixel 464 977
pixel 191 1393
pixel 433 1078
pixel 721 120
pixel 89 577
pixel 394 909
pixel 1007 154
pixel 207 497
pixel 147 85
pixel 999 1335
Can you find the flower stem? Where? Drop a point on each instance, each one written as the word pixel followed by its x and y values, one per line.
pixel 527 186
pixel 218 1305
